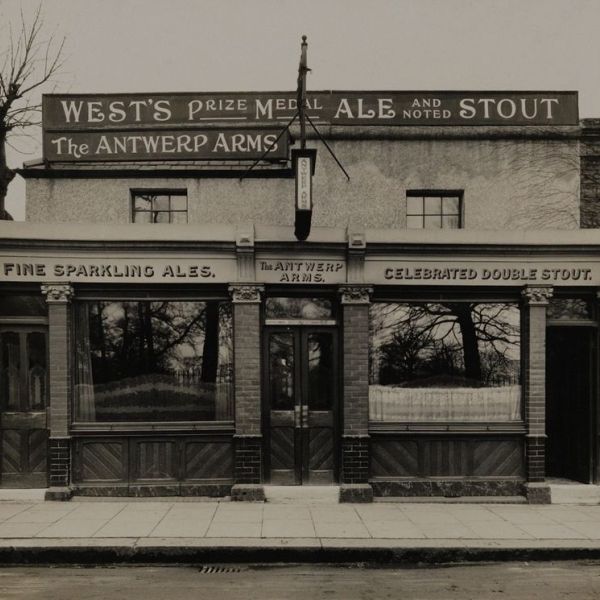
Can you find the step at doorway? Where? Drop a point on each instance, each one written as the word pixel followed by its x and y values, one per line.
pixel 302 494
pixel 567 491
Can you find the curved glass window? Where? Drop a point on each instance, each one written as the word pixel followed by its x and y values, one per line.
pixel 447 361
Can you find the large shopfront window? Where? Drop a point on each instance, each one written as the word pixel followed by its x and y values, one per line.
pixel 153 361
pixel 444 362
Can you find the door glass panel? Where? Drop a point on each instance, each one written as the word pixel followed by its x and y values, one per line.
pixel 11 351
pixel 36 353
pixel 320 371
pixel 281 367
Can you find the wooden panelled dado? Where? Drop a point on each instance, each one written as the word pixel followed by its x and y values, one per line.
pixel 154 460
pixel 422 456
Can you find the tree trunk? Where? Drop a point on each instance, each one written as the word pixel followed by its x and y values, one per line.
pixel 6 176
pixel 210 352
pixel 469 336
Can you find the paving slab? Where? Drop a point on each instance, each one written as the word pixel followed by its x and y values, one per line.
pixel 288 528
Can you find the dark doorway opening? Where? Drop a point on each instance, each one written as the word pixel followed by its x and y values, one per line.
pixel 569 409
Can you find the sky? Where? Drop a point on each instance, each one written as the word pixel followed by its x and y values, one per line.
pixel 246 45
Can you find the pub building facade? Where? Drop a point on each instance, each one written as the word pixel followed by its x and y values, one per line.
pixel 163 332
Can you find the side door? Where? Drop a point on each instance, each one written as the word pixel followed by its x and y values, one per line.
pixel 23 401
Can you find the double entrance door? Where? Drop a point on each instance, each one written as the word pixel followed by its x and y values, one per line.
pixel 301 405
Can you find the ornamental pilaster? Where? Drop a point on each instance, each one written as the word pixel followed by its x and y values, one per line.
pixel 538 295
pixel 245 293
pixel 355 294
pixel 57 293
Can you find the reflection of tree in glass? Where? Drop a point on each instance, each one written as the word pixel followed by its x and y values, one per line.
pixel 445 343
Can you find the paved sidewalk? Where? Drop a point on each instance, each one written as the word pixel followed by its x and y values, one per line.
pixel 147 528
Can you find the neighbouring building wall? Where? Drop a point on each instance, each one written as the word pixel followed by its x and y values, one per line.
pixel 507 183
pixel 590 173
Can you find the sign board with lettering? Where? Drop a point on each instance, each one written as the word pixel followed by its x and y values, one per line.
pixel 125 111
pixel 440 271
pixel 164 144
pixel 106 269
pixel 300 270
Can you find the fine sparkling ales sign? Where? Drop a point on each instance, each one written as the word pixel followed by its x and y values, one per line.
pixel 106 269
pixel 122 111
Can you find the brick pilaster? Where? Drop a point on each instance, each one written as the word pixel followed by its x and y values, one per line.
pixel 246 334
pixel 534 381
pixel 355 438
pixel 58 296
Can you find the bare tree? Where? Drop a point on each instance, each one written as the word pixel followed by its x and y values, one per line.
pixel 27 63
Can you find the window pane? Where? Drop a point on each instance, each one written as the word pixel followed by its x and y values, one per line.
pixel 23 306
pixel 36 354
pixel 153 361
pixel 451 205
pixel 161 203
pixel 10 347
pixel 281 375
pixel 142 217
pixel 179 217
pixel 320 371
pixel 433 205
pixel 414 222
pixel 569 309
pixel 178 202
pixel 433 222
pixel 414 205
pixel 160 217
pixel 298 308
pixel 447 361
pixel 450 222
pixel 142 203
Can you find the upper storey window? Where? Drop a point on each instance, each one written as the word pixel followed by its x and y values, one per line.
pixel 159 206
pixel 438 209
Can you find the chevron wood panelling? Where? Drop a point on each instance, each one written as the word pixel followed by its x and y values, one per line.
pixel 395 458
pixel 499 458
pixel 282 448
pixel 134 460
pixel 320 444
pixel 13 458
pixel 38 450
pixel 208 460
pixel 429 456
pixel 101 461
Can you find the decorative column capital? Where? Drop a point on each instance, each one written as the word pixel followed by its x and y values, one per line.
pixel 246 293
pixel 57 293
pixel 538 295
pixel 355 294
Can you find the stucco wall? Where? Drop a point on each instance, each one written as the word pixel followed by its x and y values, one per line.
pixel 508 184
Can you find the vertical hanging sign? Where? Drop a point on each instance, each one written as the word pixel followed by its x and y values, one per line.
pixel 303 160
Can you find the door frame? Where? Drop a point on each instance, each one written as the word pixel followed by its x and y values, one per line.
pixel 300 328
